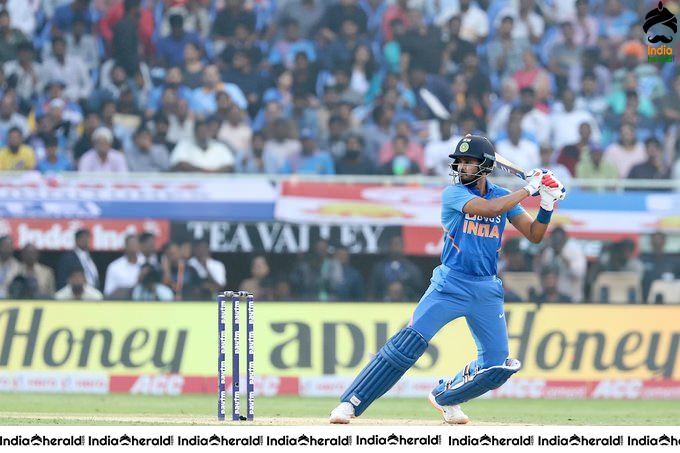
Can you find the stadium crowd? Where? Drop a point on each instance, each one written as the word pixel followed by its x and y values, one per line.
pixel 328 87
pixel 321 86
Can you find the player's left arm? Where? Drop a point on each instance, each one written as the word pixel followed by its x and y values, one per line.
pixel 551 190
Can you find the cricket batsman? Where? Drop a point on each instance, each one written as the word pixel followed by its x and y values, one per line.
pixel 474 212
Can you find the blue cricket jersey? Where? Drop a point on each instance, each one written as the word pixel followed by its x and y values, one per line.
pixel 472 243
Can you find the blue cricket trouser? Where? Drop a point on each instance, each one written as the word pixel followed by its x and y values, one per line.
pixel 479 299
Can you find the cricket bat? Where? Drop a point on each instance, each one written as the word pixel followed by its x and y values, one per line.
pixel 435 105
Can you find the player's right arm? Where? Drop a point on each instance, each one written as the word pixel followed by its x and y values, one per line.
pixel 498 206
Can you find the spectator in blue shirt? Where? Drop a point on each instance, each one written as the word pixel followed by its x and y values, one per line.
pixel 310 160
pixel 170 50
pixel 65 15
pixel 54 160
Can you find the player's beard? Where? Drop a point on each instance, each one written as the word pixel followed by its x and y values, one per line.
pixel 470 180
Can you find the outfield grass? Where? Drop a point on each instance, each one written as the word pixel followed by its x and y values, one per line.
pixel 45 409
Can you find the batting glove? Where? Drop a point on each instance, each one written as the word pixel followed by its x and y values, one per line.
pixel 533 179
pixel 551 190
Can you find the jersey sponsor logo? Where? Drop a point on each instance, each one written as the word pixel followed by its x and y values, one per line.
pixel 484 230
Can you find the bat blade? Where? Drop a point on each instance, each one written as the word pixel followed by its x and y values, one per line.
pixel 505 165
pixel 434 104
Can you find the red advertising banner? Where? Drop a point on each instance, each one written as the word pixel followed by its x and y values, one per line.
pixel 107 235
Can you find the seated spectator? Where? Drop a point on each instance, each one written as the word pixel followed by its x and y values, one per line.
pixel 310 160
pixel 23 74
pixel 181 121
pixel 78 288
pixel 17 155
pixel 69 69
pixel 170 49
pixel 570 155
pixel 566 119
pixel 102 157
pixel 252 160
pixel 561 172
pixel 33 269
pixel 260 283
pixel 532 75
pixel 147 248
pixel 66 14
pixel 23 288
pixel 345 282
pixel 550 288
pixel 627 152
pixel 211 272
pixel 144 155
pixel 192 72
pixel 284 50
pixel 400 164
pixel 509 295
pixel 204 98
pixel 202 154
pixel 9 38
pixel 10 117
pixel 513 258
pixel 280 146
pixel 9 266
pixel 149 287
pixel 177 275
pixel 520 151
pixel 620 257
pixel 123 272
pixel 310 275
pixel 78 258
pixel 354 161
pixel 567 257
pixel 658 264
pixel 82 44
pixel 174 80
pixel 654 167
pixel 505 52
pixel 54 160
pixel 437 151
pixel 395 268
pixel 395 292
pixel 593 166
pixel 235 131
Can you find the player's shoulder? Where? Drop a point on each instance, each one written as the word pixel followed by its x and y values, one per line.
pixel 499 191
pixel 455 189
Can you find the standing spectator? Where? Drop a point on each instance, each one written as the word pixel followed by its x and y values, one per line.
pixel 395 268
pixel 550 291
pixel 570 261
pixel 78 288
pixel 505 52
pixel 202 154
pixel 658 264
pixel 78 259
pixel 354 161
pixel 170 49
pixel 233 14
pixel 10 37
pixel 149 287
pixel 344 280
pixel 310 159
pixel 125 44
pixel 103 158
pixel 654 167
pixel 260 283
pixel 145 155
pixel 585 25
pixel 123 273
pixel 82 44
pixel 17 155
pixel 54 160
pixel 627 152
pixel 32 268
pixel 211 273
pixel 68 69
pixel 9 266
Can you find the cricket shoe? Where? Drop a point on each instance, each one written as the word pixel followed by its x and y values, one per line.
pixel 453 415
pixel 342 414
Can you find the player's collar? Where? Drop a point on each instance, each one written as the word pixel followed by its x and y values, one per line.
pixel 489 189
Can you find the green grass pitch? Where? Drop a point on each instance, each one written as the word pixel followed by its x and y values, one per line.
pixel 50 409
